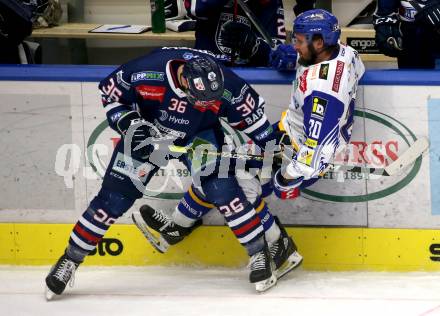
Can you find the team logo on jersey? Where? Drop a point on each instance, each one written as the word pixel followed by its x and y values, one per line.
pixel 319 107
pixel 198 83
pixel 148 75
pixel 338 75
pixel 323 71
pixel 151 92
pixel 163 115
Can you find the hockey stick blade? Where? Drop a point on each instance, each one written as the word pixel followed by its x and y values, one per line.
pixel 158 243
pixel 408 157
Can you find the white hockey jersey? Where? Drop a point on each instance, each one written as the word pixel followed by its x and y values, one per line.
pixel 320 114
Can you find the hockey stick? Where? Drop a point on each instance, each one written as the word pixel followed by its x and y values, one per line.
pixel 409 156
pixel 234 19
pixel 251 16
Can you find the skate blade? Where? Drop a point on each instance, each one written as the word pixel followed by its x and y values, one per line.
pixel 159 244
pixel 294 261
pixel 49 294
pixel 263 286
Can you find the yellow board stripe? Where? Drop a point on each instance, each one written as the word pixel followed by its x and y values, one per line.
pixel 336 249
pixel 199 201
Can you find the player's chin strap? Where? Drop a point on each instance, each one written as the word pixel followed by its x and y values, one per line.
pixel 414 151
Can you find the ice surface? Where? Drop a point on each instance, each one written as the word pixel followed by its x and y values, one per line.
pixel 190 291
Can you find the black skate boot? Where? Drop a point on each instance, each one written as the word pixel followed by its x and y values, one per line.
pixel 62 272
pixel 284 252
pixel 262 270
pixel 148 219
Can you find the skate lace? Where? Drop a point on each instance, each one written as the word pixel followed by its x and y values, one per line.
pixel 258 261
pixel 163 219
pixel 274 249
pixel 66 272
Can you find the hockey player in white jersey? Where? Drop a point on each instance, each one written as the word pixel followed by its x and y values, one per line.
pixel 320 116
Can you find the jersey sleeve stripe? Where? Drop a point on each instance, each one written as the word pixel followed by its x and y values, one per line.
pixel 256 125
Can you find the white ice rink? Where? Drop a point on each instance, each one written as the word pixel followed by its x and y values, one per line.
pixel 188 291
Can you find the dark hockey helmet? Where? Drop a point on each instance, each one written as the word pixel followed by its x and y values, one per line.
pixel 205 80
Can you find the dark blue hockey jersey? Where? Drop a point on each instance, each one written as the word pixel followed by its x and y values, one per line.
pixel 406 9
pixel 212 14
pixel 148 85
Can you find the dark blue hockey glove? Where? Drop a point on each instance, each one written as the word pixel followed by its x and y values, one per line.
pixel 388 35
pixel 283 58
pixel 135 131
pixel 240 38
pixel 429 16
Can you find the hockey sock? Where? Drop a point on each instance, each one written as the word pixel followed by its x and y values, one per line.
pixel 103 211
pixel 247 228
pixel 190 208
pixel 271 230
pixel 89 230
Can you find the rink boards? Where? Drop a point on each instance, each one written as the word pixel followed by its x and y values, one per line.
pixel 335 249
pixel 56 146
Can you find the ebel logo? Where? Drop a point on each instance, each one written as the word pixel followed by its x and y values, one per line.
pixel 363 45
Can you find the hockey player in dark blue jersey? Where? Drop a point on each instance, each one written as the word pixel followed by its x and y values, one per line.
pixel 174 96
pixel 409 30
pixel 219 31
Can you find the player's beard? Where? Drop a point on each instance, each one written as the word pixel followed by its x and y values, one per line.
pixel 310 58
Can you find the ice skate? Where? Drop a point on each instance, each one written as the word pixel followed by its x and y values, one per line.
pixel 284 253
pixel 148 220
pixel 262 270
pixel 62 273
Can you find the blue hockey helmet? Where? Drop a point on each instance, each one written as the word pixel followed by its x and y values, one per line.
pixel 318 22
pixel 205 79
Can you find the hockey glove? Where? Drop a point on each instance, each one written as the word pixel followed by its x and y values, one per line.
pixel 283 58
pixel 239 37
pixel 286 189
pixel 429 16
pixel 174 9
pixel 135 131
pixel 388 34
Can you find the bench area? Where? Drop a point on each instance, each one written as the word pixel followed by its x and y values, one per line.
pixel 81 31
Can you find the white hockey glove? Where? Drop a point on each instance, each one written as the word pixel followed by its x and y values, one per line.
pixel 284 188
